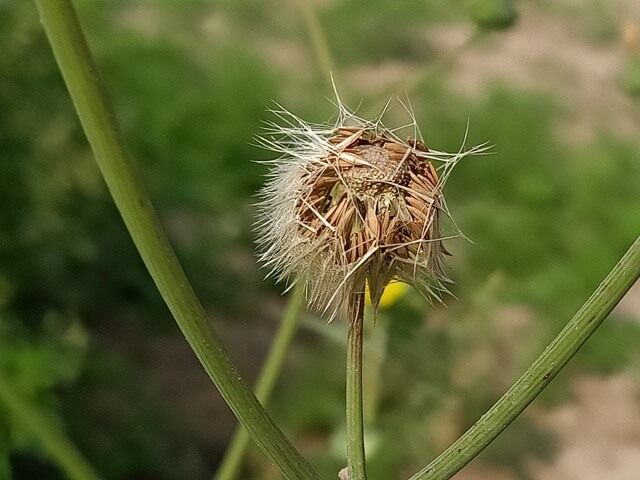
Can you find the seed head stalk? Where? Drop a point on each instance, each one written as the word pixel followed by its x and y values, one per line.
pixel 348 205
pixel 355 430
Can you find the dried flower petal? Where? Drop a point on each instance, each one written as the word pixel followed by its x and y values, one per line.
pixel 352 204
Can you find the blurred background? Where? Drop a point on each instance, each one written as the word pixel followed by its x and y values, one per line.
pixel 553 85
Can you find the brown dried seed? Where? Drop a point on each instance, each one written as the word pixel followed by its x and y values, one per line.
pixel 417 202
pixel 417 214
pixel 415 229
pixel 344 165
pixel 334 216
pixel 432 174
pixel 330 212
pixel 373 223
pixel 419 181
pixel 315 200
pixel 352 253
pixel 348 130
pixel 396 156
pixel 426 179
pixel 349 159
pixel 350 140
pixel 417 144
pixel 345 221
pixel 395 147
pixel 402 252
pixel 324 181
pixel 383 234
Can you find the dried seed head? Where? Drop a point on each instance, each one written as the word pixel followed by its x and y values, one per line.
pixel 352 204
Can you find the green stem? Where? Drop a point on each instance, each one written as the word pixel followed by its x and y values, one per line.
pixel 232 460
pixel 542 371
pixel 375 353
pixel 444 62
pixel 439 65
pixel 98 120
pixel 355 429
pixel 52 439
pixel 318 40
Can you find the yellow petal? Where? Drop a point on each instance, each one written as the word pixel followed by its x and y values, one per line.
pixel 391 294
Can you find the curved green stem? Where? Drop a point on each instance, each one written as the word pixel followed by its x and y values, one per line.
pixel 52 439
pixel 232 460
pixel 355 429
pixel 98 120
pixel 542 371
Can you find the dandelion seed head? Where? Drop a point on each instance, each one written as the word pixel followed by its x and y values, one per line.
pixel 351 204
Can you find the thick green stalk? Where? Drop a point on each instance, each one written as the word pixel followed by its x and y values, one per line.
pixel 375 352
pixel 542 371
pixel 98 120
pixel 355 429
pixel 232 460
pixel 52 439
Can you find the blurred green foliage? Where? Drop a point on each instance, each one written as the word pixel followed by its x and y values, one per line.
pixel 390 30
pixel 37 362
pixel 493 14
pixel 191 83
pixel 631 76
pixel 64 252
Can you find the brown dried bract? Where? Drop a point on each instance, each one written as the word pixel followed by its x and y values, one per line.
pixel 375 197
pixel 371 192
pixel 351 205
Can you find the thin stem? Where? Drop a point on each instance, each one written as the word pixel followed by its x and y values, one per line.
pixel 232 460
pixel 52 439
pixel 355 429
pixel 318 40
pixel 445 61
pixel 98 120
pixel 439 65
pixel 542 371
